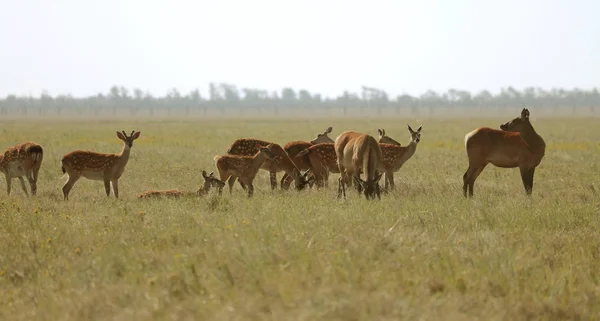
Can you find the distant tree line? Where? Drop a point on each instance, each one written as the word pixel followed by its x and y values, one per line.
pixel 225 95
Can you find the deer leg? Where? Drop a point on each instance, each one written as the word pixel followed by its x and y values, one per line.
pixel 22 180
pixel 73 178
pixel 341 187
pixel 391 180
pixel 36 171
pixel 286 181
pixel 470 177
pixel 231 182
pixel 250 189
pixel 32 182
pixel 273 179
pixel 115 185
pixel 527 177
pixel 8 182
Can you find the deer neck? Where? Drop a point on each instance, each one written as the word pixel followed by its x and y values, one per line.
pixel 124 155
pixel 409 151
pixel 257 162
pixel 535 141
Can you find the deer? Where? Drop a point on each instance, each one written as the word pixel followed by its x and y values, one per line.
pixel 98 166
pixel 322 160
pixel 210 181
pixel 384 139
pixel 280 162
pixel 295 147
pixel 394 156
pixel 20 160
pixel 359 153
pixel 516 144
pixel 242 167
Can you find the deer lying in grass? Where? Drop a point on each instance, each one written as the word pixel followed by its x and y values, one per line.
pixel 359 153
pixel 394 156
pixel 98 166
pixel 209 182
pixel 280 161
pixel 322 160
pixel 244 168
pixel 303 164
pixel 516 145
pixel 384 139
pixel 22 160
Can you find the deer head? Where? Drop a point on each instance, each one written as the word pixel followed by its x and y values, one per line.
pixel 266 150
pixel 518 124
pixel 323 138
pixel 370 187
pixel 304 180
pixel 415 136
pixel 128 140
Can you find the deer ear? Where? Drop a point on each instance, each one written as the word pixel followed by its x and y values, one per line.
pixel 409 128
pixel 204 173
pixel 120 136
pixel 136 135
pixel 329 129
pixel 380 132
pixel 420 127
pixel 525 113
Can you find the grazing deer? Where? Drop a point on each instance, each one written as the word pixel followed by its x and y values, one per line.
pixel 394 156
pixel 359 153
pixel 22 160
pixel 244 168
pixel 295 147
pixel 515 145
pixel 209 182
pixel 384 139
pixel 280 161
pixel 98 166
pixel 322 160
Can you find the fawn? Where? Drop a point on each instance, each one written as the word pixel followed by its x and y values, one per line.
pixel 22 160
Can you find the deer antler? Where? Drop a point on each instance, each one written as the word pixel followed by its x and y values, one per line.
pixel 132 132
pixel 124 133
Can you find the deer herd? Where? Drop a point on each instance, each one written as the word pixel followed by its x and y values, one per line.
pixel 351 154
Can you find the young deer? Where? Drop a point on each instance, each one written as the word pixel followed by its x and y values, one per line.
pixel 281 161
pixel 516 145
pixel 209 182
pixel 302 163
pixel 384 139
pixel 322 160
pixel 98 166
pixel 244 168
pixel 22 160
pixel 394 156
pixel 359 153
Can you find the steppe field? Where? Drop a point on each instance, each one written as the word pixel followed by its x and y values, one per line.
pixel 423 252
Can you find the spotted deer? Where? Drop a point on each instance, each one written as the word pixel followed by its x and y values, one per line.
pixel 98 166
pixel 394 156
pixel 295 147
pixel 359 153
pixel 281 161
pixel 22 160
pixel 243 167
pixel 209 182
pixel 322 160
pixel 384 139
pixel 516 144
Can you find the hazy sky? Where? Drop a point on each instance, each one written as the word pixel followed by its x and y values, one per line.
pixel 84 47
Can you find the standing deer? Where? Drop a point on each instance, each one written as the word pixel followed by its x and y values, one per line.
pixel 516 145
pixel 209 182
pixel 280 162
pixel 303 164
pixel 384 139
pixel 359 153
pixel 98 166
pixel 394 156
pixel 244 168
pixel 322 160
pixel 22 160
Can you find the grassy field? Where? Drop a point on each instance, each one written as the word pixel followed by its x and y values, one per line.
pixel 421 253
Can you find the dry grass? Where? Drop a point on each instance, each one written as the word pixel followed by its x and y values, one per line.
pixel 422 252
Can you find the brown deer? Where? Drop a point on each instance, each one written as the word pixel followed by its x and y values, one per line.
pixel 322 160
pixel 303 164
pixel 359 153
pixel 394 156
pixel 22 160
pixel 209 182
pixel 516 145
pixel 281 161
pixel 242 167
pixel 98 166
pixel 384 139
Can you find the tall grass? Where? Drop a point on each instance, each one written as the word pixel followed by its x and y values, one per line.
pixel 422 252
